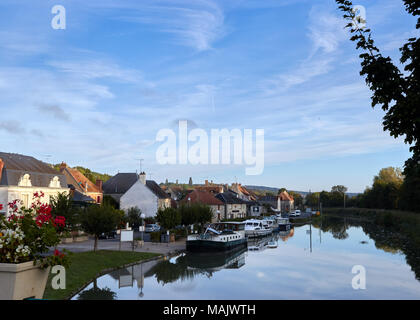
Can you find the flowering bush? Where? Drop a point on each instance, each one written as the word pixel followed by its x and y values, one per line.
pixel 28 233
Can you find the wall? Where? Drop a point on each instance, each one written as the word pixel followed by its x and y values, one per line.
pixel 140 196
pixel 9 194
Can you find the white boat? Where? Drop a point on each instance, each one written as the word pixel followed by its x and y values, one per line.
pixel 256 228
pixel 272 244
pixel 220 236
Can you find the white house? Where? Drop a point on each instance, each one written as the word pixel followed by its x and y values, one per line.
pixel 22 176
pixel 132 190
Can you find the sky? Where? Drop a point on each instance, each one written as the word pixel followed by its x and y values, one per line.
pixel 97 93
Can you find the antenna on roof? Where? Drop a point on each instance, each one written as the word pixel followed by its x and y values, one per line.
pixel 47 157
pixel 140 162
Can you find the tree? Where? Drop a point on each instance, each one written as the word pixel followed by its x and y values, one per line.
pixel 389 175
pixel 62 205
pixel 312 200
pixel 398 94
pixel 100 219
pixel 134 217
pixel 297 197
pixel 168 218
pixel 341 189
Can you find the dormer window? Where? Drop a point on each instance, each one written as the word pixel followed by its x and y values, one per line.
pixel 55 183
pixel 25 181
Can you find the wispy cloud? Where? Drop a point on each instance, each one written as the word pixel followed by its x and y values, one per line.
pixel 195 24
pixel 56 111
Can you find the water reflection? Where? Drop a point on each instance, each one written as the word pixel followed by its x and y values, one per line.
pixel 307 262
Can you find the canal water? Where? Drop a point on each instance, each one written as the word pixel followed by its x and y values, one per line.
pixel 310 262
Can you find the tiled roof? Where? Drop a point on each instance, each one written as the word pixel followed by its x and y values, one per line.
pixel 154 187
pixel 285 196
pixel 204 197
pixel 122 182
pixel 230 198
pixel 17 165
pixel 79 181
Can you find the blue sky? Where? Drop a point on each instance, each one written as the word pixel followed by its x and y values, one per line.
pixel 97 93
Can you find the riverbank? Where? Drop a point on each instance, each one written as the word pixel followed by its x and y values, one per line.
pixel 404 222
pixel 86 266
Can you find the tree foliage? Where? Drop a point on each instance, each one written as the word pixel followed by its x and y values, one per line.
pixel 398 94
pixel 168 218
pixel 100 219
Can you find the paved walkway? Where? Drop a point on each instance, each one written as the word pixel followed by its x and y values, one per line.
pixel 113 244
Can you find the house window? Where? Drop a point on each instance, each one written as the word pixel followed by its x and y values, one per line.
pixel 25 181
pixel 25 200
pixel 55 182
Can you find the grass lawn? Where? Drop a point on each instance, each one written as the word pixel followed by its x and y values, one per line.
pixel 85 266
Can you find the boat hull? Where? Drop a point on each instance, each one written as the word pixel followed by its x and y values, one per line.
pixel 212 246
pixel 284 227
pixel 258 233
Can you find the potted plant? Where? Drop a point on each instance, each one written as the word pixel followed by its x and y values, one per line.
pixel 26 236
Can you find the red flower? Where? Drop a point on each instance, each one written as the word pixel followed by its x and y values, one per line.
pixel 57 253
pixel 1 206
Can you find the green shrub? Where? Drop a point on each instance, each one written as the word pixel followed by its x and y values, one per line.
pixel 155 236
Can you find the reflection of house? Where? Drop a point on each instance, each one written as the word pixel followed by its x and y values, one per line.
pixel 203 197
pixel 22 176
pixel 234 206
pixel 80 183
pixel 132 190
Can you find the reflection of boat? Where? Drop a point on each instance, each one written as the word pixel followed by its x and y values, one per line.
pixel 256 228
pixel 220 236
pixel 283 224
pixel 233 259
pixel 260 244
pixel 272 244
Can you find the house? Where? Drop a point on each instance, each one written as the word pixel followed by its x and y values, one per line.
pixel 22 176
pixel 210 187
pixel 81 184
pixel 207 198
pixel 131 190
pixel 286 202
pixel 283 201
pixel 243 192
pixel 255 209
pixel 79 199
pixel 175 192
pixel 235 207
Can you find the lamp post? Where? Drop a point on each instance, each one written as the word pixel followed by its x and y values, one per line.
pixel 142 216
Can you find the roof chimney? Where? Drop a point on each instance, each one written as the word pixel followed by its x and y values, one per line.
pixel 1 167
pixel 63 165
pixel 142 177
pixel 207 182
pixel 99 184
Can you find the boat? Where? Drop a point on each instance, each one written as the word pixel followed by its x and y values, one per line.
pixel 271 222
pixel 256 228
pixel 283 224
pixel 222 236
pixel 272 244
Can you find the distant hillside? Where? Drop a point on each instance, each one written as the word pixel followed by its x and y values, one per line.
pixel 263 189
pixel 91 175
